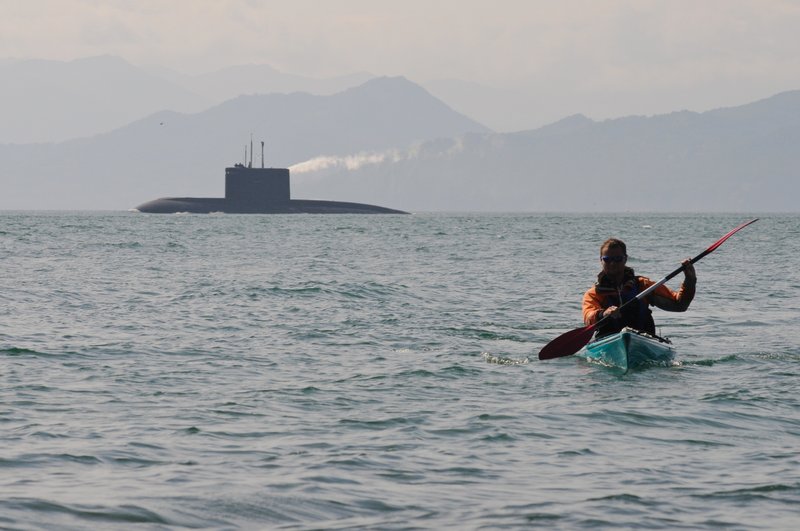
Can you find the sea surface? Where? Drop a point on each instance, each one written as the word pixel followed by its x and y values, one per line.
pixel 381 372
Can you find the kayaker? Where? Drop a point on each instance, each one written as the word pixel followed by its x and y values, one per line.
pixel 617 284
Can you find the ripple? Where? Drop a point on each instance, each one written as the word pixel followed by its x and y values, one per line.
pixel 257 372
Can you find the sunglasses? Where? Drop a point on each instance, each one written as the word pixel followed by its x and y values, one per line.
pixel 616 259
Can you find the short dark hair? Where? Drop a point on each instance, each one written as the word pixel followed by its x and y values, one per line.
pixel 613 243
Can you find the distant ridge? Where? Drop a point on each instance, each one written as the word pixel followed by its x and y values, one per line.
pixel 47 101
pixel 54 101
pixel 728 159
pixel 232 81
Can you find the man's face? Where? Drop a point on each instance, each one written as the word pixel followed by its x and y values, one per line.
pixel 613 260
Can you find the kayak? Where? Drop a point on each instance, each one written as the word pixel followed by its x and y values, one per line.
pixel 629 349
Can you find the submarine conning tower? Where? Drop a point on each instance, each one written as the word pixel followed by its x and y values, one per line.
pixel 256 185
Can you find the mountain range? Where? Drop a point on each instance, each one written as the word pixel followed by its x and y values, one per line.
pixel 730 159
pixel 384 141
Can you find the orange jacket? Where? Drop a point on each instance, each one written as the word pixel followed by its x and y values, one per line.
pixel 603 294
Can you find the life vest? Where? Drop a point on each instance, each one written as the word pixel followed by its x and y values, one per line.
pixel 636 315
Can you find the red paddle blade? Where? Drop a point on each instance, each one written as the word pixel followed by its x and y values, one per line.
pixel 731 233
pixel 567 344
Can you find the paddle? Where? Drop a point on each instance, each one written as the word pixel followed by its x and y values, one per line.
pixel 571 342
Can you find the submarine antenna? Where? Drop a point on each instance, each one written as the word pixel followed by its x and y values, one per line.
pixel 245 155
pixel 262 154
pixel 251 151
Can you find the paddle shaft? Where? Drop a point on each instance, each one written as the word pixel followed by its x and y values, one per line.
pixel 571 342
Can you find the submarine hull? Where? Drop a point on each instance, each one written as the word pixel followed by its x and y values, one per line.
pixel 200 205
pixel 258 191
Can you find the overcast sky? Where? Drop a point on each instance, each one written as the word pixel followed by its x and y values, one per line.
pixel 657 55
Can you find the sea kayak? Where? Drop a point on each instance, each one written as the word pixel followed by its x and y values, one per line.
pixel 629 349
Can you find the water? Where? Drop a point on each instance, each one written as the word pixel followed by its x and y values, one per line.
pixel 380 372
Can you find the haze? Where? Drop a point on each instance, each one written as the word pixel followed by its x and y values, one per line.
pixel 513 64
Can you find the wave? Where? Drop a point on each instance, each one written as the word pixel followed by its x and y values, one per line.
pixel 16 351
pixel 132 514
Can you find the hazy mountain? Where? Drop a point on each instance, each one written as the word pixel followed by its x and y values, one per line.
pixel 171 153
pixel 227 83
pixel 500 109
pixel 53 101
pixel 740 159
pixel 533 104
pixel 44 101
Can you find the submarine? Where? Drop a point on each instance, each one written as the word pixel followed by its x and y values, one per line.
pixel 262 190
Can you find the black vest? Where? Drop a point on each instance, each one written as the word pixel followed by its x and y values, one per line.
pixel 636 315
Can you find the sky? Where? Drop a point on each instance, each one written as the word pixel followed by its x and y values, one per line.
pixel 599 57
